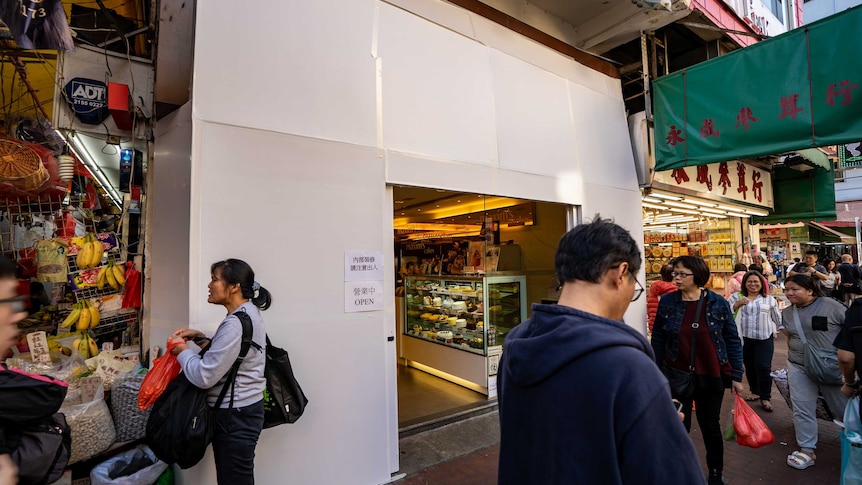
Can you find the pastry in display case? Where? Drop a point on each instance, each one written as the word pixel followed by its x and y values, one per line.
pixel 462 312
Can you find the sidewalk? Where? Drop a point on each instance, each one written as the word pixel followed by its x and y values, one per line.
pixel 742 465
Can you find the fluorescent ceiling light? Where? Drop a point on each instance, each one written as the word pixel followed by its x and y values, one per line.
pixel 650 199
pixel 711 211
pixel 756 213
pixel 680 204
pixel 737 214
pixel 84 155
pixel 653 206
pixel 665 196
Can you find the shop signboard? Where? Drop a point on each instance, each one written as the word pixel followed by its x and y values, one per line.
pixel 88 99
pixel 736 181
pixel 798 234
pixel 798 92
pixel 773 234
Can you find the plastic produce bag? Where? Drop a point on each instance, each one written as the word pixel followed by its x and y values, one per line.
pixel 779 377
pixel 92 428
pixel 165 369
pixel 134 467
pixel 851 445
pixel 750 429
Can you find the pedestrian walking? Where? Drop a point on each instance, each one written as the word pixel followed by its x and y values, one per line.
pixel 851 279
pixel 580 399
pixel 757 317
pixel 695 334
pixel 816 320
pixel 658 289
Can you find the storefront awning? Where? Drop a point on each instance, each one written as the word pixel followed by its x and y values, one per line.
pixel 832 234
pixel 801 196
pixel 798 90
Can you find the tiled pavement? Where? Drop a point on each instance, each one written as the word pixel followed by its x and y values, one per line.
pixel 743 465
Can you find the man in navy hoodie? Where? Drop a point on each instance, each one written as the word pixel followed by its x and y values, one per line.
pixel 580 397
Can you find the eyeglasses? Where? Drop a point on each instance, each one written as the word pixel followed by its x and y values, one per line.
pixel 681 275
pixel 17 302
pixel 639 290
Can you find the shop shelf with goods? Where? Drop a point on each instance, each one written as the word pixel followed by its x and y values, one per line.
pixel 84 283
pixel 455 324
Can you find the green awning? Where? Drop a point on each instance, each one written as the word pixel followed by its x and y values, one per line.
pixel 798 90
pixel 816 157
pixel 801 196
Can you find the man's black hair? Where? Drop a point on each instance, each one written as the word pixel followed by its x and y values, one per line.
pixel 588 251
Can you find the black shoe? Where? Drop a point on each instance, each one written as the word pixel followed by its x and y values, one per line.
pixel 715 478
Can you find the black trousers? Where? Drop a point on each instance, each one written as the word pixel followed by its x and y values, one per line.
pixel 708 401
pixel 236 434
pixel 757 358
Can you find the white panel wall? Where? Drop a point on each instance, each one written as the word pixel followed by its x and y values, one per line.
pixel 291 218
pixel 534 124
pixel 298 66
pixel 168 192
pixel 437 93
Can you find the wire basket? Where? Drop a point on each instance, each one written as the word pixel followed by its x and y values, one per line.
pixel 21 166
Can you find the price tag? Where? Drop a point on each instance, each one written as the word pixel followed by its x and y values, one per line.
pixel 107 346
pixel 38 342
pixel 89 387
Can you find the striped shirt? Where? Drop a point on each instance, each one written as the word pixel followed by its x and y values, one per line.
pixel 759 318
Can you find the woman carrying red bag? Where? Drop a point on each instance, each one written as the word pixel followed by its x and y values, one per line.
pixel 239 420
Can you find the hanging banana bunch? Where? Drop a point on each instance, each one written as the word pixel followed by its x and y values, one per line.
pixel 112 274
pixel 84 315
pixel 90 253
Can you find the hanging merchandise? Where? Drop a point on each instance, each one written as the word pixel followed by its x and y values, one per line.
pixel 51 266
pixel 132 291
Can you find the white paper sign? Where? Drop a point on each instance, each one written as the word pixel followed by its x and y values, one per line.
pixel 38 343
pixel 363 266
pixel 89 387
pixel 363 296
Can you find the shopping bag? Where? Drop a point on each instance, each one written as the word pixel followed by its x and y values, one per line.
pixel 750 429
pixel 851 445
pixel 132 467
pixel 162 372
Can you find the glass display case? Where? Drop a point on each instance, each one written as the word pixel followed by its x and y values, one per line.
pixel 469 313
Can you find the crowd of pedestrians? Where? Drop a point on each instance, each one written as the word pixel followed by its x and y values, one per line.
pixel 617 423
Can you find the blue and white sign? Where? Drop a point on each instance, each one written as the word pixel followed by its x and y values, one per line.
pixel 88 98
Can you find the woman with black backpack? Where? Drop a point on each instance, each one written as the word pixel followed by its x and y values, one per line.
pixel 233 286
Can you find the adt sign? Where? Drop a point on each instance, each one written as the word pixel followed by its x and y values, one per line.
pixel 88 98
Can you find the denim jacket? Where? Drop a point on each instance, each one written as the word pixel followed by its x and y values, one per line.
pixel 722 328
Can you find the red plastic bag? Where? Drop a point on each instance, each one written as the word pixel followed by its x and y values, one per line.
pixel 750 429
pixel 162 372
pixel 132 290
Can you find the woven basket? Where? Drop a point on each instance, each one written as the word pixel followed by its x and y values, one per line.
pixel 21 166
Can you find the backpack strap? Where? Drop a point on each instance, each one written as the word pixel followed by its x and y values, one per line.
pixel 246 342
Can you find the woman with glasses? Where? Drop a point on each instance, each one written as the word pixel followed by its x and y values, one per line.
pixel 756 311
pixel 820 321
pixel 695 341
